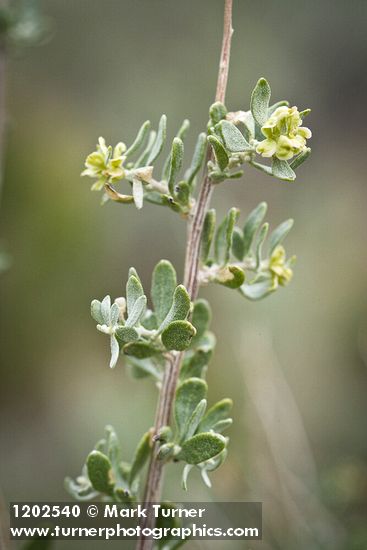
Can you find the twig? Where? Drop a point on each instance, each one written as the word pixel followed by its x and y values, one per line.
pixel 155 473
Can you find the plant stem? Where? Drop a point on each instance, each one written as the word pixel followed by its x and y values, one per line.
pixel 155 473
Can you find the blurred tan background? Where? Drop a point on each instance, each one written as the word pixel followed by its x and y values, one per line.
pixel 295 363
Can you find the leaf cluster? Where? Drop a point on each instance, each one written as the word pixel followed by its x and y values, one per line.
pixel 175 186
pixel 23 24
pixel 236 257
pixel 197 436
pixel 141 333
pixel 106 476
pixel 233 137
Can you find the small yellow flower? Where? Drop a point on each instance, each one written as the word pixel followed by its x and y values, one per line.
pixel 105 165
pixel 285 137
pixel 280 269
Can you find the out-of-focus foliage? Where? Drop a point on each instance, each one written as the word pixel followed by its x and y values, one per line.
pixel 23 24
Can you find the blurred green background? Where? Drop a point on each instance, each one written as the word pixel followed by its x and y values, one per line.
pixel 295 364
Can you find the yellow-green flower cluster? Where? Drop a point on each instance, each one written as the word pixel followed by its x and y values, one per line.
pixel 105 165
pixel 285 137
pixel 279 267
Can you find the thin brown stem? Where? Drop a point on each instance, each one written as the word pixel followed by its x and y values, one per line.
pixel 154 481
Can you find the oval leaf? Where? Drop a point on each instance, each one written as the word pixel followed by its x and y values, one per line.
pixel 202 447
pixel 134 290
pixel 219 152
pixel 178 335
pixel 233 139
pixel 217 112
pixel 100 472
pixel 126 334
pixel 180 307
pixel 163 286
pixel 252 225
pixel 137 312
pixel 188 396
pixel 95 310
pixel 260 98
pixel 282 170
pixel 140 350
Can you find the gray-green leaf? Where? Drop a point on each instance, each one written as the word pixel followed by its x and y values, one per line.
pixel 202 447
pixel 260 98
pixel 140 350
pixel 113 445
pixel 222 425
pixel 238 244
pixel 95 310
pixel 208 234
pixel 180 307
pixel 178 335
pixel 300 159
pixel 142 160
pixel 223 238
pixel 136 312
pixel 215 414
pixel 141 456
pixel 261 287
pixel 134 291
pixel 233 139
pixel 219 152
pixel 217 112
pixel 260 241
pixel 176 160
pixel 252 225
pixel 163 286
pixel 188 396
pixel 195 365
pixel 159 141
pixel 279 234
pixel 201 317
pixel 106 309
pixel 197 159
pixel 282 170
pixel 262 167
pixel 126 334
pixel 195 419
pixel 139 140
pixel 115 351
pixel 100 472
pixel 142 368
